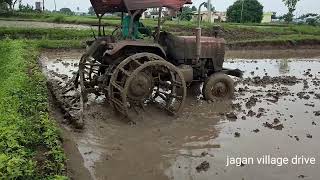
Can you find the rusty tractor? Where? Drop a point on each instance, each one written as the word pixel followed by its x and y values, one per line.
pixel 133 73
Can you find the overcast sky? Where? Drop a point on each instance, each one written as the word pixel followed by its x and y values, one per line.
pixel 304 6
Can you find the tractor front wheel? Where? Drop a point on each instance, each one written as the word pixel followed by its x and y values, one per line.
pixel 218 86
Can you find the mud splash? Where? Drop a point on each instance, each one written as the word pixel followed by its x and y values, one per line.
pixel 275 103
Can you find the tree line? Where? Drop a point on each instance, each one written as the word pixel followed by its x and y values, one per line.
pixel 251 11
pixel 241 11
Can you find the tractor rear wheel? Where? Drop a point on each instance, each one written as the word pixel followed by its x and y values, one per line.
pixel 218 86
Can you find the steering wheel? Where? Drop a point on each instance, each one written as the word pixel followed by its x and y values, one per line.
pixel 154 33
pixel 116 33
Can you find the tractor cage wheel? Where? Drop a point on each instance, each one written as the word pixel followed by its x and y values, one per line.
pixel 150 68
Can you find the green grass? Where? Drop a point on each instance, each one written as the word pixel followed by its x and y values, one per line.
pixel 30 146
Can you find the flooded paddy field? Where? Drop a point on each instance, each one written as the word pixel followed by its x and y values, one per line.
pixel 275 113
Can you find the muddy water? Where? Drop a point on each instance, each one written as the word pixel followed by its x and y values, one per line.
pixel 255 139
pixel 282 123
pixel 311 52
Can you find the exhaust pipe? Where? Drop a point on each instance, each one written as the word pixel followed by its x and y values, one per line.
pixel 198 33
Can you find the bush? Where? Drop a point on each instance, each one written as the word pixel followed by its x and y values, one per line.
pixel 311 21
pixel 66 11
pixel 59 18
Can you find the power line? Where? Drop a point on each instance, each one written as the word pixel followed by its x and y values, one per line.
pixel 42 5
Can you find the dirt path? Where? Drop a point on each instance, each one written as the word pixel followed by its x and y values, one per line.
pixel 274 113
pixel 34 24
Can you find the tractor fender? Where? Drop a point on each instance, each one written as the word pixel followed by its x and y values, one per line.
pixel 141 46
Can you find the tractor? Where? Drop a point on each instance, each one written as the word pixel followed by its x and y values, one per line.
pixel 133 72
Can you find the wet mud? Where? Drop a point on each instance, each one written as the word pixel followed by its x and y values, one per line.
pixel 275 112
pixel 262 52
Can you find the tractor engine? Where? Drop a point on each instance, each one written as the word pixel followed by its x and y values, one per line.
pixel 183 48
pixel 182 51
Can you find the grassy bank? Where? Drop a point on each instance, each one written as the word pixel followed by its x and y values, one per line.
pixel 30 146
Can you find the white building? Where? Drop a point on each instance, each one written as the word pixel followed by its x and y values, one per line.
pixel 267 17
pixel 215 16
pixel 153 13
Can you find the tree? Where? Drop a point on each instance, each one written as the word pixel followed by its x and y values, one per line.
pixel 66 11
pixel 308 15
pixel 10 3
pixel 194 8
pixel 91 11
pixel 310 18
pixel 291 5
pixel 186 14
pixel 3 7
pixel 25 8
pixel 245 11
pixel 212 7
pixel 274 15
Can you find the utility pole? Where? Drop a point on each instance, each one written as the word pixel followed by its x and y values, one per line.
pixel 241 11
pixel 209 11
pixel 55 6
pixel 42 5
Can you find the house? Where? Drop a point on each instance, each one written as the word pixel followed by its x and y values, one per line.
pixel 267 17
pixel 215 16
pixel 220 17
pixel 153 13
pixel 80 13
pixel 38 5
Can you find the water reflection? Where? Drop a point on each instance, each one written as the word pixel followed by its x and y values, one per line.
pixel 284 66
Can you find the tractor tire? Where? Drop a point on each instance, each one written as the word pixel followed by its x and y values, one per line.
pixel 218 86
